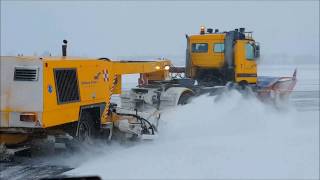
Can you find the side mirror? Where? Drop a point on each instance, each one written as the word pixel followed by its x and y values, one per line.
pixel 257 50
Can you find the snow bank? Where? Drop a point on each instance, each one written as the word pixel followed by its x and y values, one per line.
pixel 228 137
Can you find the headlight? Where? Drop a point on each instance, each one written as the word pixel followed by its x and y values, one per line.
pixel 157 67
pixel 167 67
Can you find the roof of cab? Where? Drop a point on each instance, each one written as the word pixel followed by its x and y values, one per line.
pixel 213 36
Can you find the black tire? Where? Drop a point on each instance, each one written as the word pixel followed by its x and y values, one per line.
pixel 185 98
pixel 243 84
pixel 85 128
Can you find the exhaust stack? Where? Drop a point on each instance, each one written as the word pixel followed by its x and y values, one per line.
pixel 64 48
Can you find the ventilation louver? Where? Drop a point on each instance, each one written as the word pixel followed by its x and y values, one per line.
pixel 66 85
pixel 26 73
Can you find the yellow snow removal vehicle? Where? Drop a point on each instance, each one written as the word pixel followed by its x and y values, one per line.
pixel 215 61
pixel 62 97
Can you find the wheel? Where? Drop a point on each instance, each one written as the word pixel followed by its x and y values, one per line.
pixel 185 98
pixel 243 84
pixel 85 129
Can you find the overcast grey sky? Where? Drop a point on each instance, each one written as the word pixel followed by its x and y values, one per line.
pixel 114 29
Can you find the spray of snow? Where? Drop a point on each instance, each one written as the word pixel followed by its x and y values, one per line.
pixel 227 137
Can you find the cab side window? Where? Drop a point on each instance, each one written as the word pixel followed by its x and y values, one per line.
pixel 218 48
pixel 249 52
pixel 200 47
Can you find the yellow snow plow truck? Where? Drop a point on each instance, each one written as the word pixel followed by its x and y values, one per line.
pixel 62 99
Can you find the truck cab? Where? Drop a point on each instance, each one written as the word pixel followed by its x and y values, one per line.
pixel 215 58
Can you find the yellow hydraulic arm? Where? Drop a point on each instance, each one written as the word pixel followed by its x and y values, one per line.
pixel 134 67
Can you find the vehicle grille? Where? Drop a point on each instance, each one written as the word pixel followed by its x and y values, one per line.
pixel 66 85
pixel 26 74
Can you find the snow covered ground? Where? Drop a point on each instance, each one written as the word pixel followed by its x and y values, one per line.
pixel 230 137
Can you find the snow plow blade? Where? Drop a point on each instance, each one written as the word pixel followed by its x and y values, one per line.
pixel 276 87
